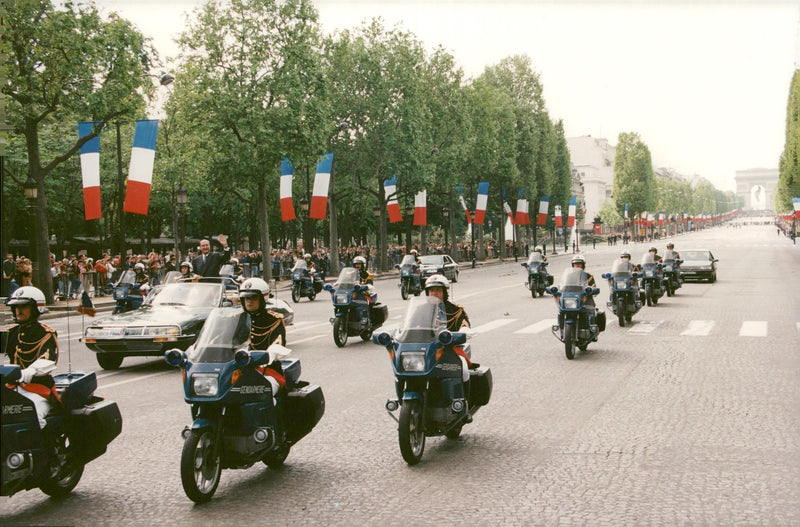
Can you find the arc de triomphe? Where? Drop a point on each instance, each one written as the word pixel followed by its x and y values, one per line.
pixel 756 187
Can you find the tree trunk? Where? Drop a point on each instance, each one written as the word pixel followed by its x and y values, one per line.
pixel 382 239
pixel 452 226
pixel 333 247
pixel 263 218
pixel 120 237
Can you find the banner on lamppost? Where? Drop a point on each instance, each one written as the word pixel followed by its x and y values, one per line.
pixel 140 172
pixel 90 172
pixel 421 208
pixel 392 205
pixel 322 180
pixel 480 204
pixel 287 207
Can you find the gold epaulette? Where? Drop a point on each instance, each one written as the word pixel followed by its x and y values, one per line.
pixel 49 329
pixel 275 313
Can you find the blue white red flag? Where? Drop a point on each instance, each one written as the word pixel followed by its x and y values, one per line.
pixel 90 172
pixel 392 205
pixel 140 173
pixel 86 307
pixel 480 205
pixel 322 180
pixel 421 208
pixel 573 204
pixel 544 206
pixel 287 207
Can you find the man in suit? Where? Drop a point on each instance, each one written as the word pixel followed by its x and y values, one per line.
pixel 209 263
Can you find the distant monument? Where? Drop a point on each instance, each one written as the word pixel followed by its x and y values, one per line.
pixel 756 187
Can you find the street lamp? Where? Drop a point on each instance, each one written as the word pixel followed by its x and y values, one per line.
pixel 31 196
pixel 181 197
pixel 446 218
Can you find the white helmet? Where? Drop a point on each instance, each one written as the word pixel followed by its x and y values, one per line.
pixel 138 267
pixel 360 259
pixel 28 295
pixel 578 259
pixel 537 249
pixel 253 288
pixel 437 280
pixel 306 256
pixel 414 252
pixel 187 264
pixel 234 261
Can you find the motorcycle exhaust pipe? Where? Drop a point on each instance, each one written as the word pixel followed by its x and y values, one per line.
pixel 264 435
pixel 458 406
pixel 392 405
pixel 15 460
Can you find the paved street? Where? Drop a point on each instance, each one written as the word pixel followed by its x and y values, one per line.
pixel 691 415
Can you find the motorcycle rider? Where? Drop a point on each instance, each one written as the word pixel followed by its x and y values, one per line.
pixel 141 275
pixel 538 249
pixel 579 262
pixel 187 271
pixel 360 263
pixel 415 254
pixel 656 257
pixel 266 327
pixel 671 253
pixel 29 340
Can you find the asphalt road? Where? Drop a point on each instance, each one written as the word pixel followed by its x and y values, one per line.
pixel 691 415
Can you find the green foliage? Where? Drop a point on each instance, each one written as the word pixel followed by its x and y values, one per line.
pixel 789 181
pixel 610 215
pixel 634 181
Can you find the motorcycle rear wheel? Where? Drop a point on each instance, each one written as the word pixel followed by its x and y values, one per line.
pixel 621 312
pixel 648 294
pixel 60 485
pixel 365 335
pixel 569 340
pixel 312 295
pixel 295 294
pixel 404 291
pixel 410 432
pixel 340 331
pixel 200 469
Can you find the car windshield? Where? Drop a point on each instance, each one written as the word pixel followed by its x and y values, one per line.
pixel 425 319
pixel 408 260
pixel 226 270
pixel 621 267
pixel 535 258
pixel 172 277
pixel 226 330
pixel 696 255
pixel 300 265
pixel 573 280
pixel 648 260
pixel 433 259
pixel 128 277
pixel 348 279
pixel 186 294
pixel 670 255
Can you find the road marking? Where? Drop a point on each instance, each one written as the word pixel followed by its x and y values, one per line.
pixel 135 379
pixel 307 339
pixel 459 298
pixel 645 327
pixel 320 324
pixel 798 326
pixel 753 328
pixel 494 324
pixel 538 327
pixel 698 328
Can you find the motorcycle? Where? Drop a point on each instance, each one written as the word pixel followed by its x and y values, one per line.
pixel 78 430
pixel 625 300
pixel 652 280
pixel 236 422
pixel 128 295
pixel 431 394
pixel 410 277
pixel 538 277
pixel 305 282
pixel 356 308
pixel 579 323
pixel 672 274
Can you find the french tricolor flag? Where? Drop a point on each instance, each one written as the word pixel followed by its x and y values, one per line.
pixel 319 196
pixel 90 172
pixel 573 204
pixel 523 217
pixel 287 207
pixel 507 208
pixel 392 205
pixel 661 218
pixel 421 208
pixel 559 219
pixel 796 204
pixel 466 209
pixel 140 173
pixel 483 198
pixel 544 205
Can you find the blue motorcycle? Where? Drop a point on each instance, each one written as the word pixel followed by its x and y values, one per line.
pixel 672 274
pixel 538 277
pixel 410 277
pixel 238 420
pixel 432 396
pixel 652 279
pixel 128 295
pixel 305 282
pixel 579 323
pixel 356 308
pixel 625 300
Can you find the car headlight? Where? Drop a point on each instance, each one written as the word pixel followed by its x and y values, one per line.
pixel 705 267
pixel 570 302
pixel 104 332
pixel 162 331
pixel 413 361
pixel 205 384
pixel 341 298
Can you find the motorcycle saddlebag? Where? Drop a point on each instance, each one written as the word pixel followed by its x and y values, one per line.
pixel 549 279
pixel 480 386
pixel 93 427
pixel 378 314
pixel 304 409
pixel 75 389
pixel 601 320
pixel 317 286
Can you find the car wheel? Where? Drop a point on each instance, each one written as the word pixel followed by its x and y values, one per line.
pixel 455 276
pixel 109 361
pixel 713 277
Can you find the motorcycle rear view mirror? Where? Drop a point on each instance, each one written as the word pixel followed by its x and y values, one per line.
pixel 396 266
pixel 595 291
pixel 524 264
pixel 328 288
pixel 606 275
pixel 552 290
pixel 175 357
pixel 383 339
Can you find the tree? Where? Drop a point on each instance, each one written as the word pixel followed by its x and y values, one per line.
pixel 634 181
pixel 257 89
pixel 65 63
pixel 789 167
pixel 609 214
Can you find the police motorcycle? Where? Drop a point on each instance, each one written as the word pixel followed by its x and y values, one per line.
pixel 356 308
pixel 671 270
pixel 652 280
pixel 579 322
pixel 432 395
pixel 237 420
pixel 410 277
pixel 305 282
pixel 625 300
pixel 79 428
pixel 129 295
pixel 538 277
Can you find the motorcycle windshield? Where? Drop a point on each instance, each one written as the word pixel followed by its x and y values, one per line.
pixel 621 268
pixel 226 330
pixel 300 265
pixel 535 258
pixel 649 260
pixel 670 256
pixel 573 280
pixel 348 279
pixel 408 260
pixel 425 319
pixel 128 277
pixel 226 270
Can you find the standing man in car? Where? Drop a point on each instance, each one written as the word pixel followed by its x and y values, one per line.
pixel 209 263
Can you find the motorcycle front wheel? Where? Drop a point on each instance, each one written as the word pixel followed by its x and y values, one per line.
pixel 621 312
pixel 410 432
pixel 670 290
pixel 295 294
pixel 404 290
pixel 648 294
pixel 569 340
pixel 533 288
pixel 340 331
pixel 200 468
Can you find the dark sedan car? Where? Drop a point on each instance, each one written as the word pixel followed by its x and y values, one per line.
pixel 698 265
pixel 438 264
pixel 171 317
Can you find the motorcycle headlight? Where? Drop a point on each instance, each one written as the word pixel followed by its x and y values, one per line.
pixel 570 302
pixel 341 298
pixel 405 273
pixel 118 294
pixel 205 384
pixel 668 269
pixel 622 285
pixel 413 361
pixel 649 274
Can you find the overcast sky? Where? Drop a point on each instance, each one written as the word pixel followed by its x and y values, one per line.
pixel 704 83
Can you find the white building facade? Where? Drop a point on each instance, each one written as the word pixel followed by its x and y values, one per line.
pixel 593 164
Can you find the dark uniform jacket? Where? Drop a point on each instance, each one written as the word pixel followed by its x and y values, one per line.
pixel 265 328
pixel 456 316
pixel 27 342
